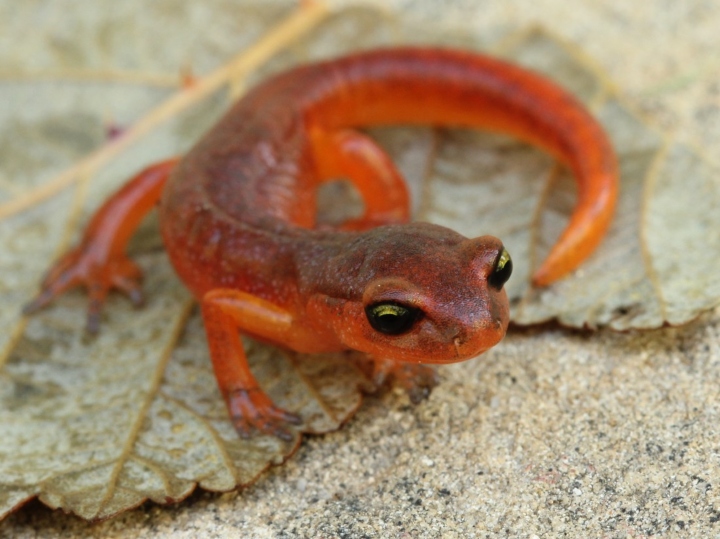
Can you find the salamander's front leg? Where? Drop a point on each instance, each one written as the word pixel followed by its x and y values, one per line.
pixel 227 312
pixel 353 155
pixel 416 379
pixel 99 263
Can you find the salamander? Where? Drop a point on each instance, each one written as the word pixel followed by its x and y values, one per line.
pixel 238 220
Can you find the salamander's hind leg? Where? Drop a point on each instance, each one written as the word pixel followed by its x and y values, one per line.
pixel 99 263
pixel 353 155
pixel 227 312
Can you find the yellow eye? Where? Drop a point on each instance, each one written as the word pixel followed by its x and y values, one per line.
pixel 391 318
pixel 501 271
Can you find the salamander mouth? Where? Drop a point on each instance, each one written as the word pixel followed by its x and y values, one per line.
pixel 457 342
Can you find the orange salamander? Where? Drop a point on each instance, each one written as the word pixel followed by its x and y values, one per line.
pixel 238 214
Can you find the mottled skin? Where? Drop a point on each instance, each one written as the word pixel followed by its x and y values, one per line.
pixel 238 213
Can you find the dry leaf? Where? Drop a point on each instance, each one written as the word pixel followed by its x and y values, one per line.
pixel 97 426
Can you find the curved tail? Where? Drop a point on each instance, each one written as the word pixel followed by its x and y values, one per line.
pixel 460 88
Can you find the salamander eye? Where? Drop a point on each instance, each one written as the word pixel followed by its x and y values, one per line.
pixel 502 270
pixel 391 318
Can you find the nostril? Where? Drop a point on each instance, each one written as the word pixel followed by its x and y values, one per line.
pixel 451 330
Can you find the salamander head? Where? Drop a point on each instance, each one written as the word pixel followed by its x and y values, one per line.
pixel 423 293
